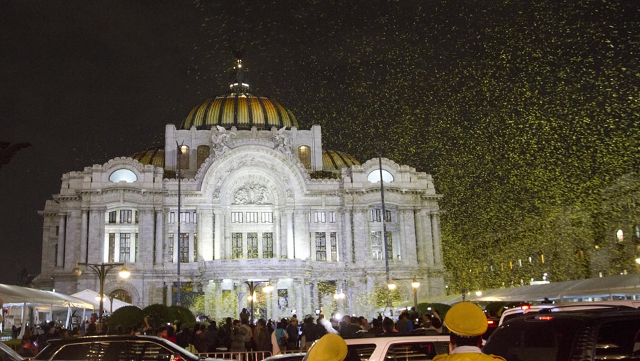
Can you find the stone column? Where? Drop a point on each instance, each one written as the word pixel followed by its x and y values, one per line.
pixel 289 239
pixel 361 235
pixel 84 236
pixel 428 246
pixel 145 236
pixel 410 253
pixel 345 245
pixel 437 245
pixel 301 248
pixel 277 234
pixel 62 232
pixel 299 290
pixel 218 234
pixel 226 242
pixel 205 235
pixel 191 247
pixel 159 240
pixel 96 235
pixel 419 235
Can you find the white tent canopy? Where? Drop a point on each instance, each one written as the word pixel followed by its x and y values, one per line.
pixel 601 287
pixel 42 301
pixel 93 297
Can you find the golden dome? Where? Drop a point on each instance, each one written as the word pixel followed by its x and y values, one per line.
pixel 240 109
pixel 333 160
pixel 153 156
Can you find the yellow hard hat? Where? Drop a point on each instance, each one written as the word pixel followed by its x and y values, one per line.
pixel 330 347
pixel 466 319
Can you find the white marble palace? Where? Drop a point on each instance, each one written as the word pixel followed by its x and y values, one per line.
pixel 240 196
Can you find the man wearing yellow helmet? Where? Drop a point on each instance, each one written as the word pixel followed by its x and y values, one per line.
pixel 467 323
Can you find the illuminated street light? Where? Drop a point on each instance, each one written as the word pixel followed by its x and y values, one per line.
pixel 415 285
pixel 252 289
pixel 101 270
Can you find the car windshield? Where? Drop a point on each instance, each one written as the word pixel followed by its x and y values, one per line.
pixel 8 354
pixel 533 340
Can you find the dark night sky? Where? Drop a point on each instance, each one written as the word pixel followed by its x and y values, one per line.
pixel 87 81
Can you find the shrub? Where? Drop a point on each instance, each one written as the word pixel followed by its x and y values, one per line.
pixel 157 315
pixel 127 316
pixel 182 314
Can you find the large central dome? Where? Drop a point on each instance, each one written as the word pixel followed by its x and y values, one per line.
pixel 239 108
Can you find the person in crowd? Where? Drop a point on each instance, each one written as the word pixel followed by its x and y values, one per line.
pixel 27 348
pixel 404 324
pixel 467 323
pixel 327 325
pixel 349 329
pixel 171 334
pixel 364 323
pixel 244 316
pixel 293 334
pixel 388 327
pixel 309 332
pixel 200 339
pixel 248 345
pixel 212 337
pixel 279 338
pixel 91 330
pixel 261 336
pixel 238 335
pixel 183 337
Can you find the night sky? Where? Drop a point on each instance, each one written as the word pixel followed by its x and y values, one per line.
pixel 433 82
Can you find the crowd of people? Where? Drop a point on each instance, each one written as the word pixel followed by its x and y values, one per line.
pixel 240 335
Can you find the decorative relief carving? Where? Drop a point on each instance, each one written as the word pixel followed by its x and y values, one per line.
pixel 221 141
pixel 282 142
pixel 252 193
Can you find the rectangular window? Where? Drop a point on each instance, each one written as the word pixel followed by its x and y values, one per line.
pixel 321 246
pixel 194 217
pixel 267 245
pixel 55 255
pixel 252 217
pixel 185 217
pixel 125 216
pixel 332 217
pixel 236 217
pixel 195 247
pixel 320 217
pixel 252 244
pixel 172 217
pixel 377 249
pixel 171 240
pixel 183 248
pixel 57 231
pixel 334 246
pixel 236 245
pixel 389 246
pixel 136 217
pixel 112 217
pixel 375 215
pixel 125 246
pixel 135 250
pixel 387 215
pixel 112 247
pixel 267 217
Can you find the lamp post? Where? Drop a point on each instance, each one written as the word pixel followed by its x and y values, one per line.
pixel 384 229
pixel 415 285
pixel 179 149
pixel 101 270
pixel 252 288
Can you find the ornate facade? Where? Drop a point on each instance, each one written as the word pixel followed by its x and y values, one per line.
pixel 261 201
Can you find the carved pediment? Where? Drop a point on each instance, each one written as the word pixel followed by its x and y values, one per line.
pixel 253 193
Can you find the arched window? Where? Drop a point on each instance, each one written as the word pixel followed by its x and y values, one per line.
pixel 121 295
pixel 304 153
pixel 123 175
pixel 374 176
pixel 620 235
pixel 203 154
pixel 184 157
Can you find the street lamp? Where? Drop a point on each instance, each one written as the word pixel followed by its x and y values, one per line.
pixel 415 284
pixel 252 288
pixel 101 270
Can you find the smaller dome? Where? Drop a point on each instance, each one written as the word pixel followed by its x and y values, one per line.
pixel 333 160
pixel 153 156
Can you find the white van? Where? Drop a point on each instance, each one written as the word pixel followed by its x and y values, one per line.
pixel 566 306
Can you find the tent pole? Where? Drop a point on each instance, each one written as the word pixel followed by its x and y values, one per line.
pixel 51 312
pixel 24 305
pixel 68 317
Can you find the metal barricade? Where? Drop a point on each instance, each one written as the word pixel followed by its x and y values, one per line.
pixel 240 356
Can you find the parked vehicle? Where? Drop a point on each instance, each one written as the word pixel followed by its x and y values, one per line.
pixel 114 348
pixel 533 309
pixel 8 354
pixel 610 333
pixel 416 348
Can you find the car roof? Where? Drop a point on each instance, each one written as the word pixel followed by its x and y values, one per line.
pixel 571 306
pixel 396 339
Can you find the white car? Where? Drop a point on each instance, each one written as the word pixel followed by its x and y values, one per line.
pixel 527 309
pixel 416 348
